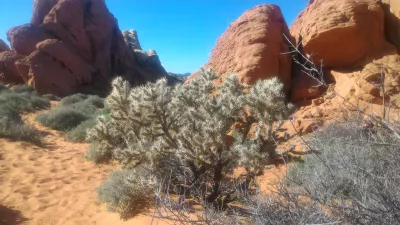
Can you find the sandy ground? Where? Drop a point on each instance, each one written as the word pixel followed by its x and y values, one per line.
pixel 53 185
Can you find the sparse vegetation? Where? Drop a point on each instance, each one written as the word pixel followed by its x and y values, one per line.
pixel 62 119
pixel 51 97
pixel 126 192
pixel 23 88
pixel 13 102
pixel 75 115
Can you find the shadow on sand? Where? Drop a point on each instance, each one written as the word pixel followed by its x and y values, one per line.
pixel 10 216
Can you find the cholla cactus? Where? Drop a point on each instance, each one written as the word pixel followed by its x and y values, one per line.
pixel 191 123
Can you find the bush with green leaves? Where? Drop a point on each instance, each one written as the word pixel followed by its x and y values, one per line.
pixel 51 97
pixel 62 119
pixel 75 114
pixel 19 99
pixel 22 88
pixel 126 192
pixel 27 102
pixel 12 127
pixel 195 124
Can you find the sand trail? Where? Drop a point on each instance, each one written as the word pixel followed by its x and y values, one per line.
pixel 53 185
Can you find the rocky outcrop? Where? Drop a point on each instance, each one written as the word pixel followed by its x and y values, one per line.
pixel 23 39
pixel 392 22
pixel 131 38
pixel 76 46
pixel 252 45
pixel 343 33
pixel 9 73
pixel 3 46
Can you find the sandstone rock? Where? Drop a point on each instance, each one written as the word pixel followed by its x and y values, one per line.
pixel 3 46
pixel 376 80
pixel 40 9
pixel 76 46
pixel 131 38
pixel 342 33
pixel 9 73
pixel 23 39
pixel 392 22
pixel 252 45
pixel 304 86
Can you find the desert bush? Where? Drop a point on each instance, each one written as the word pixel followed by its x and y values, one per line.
pixel 3 87
pixel 10 115
pixel 63 119
pixel 126 192
pixel 75 114
pixel 355 175
pixel 12 127
pixel 22 88
pixel 51 97
pixel 24 101
pixel 97 155
pixel 11 104
pixel 69 100
pixel 79 133
pixel 151 123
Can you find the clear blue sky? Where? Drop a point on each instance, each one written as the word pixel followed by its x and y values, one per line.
pixel 183 32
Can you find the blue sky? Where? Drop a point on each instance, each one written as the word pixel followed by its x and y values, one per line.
pixel 183 32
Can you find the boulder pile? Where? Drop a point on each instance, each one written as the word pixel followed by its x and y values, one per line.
pixel 355 42
pixel 73 46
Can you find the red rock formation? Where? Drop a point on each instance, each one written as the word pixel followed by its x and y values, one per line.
pixel 8 71
pixel 252 47
pixel 3 46
pixel 23 39
pixel 76 46
pixel 392 22
pixel 344 33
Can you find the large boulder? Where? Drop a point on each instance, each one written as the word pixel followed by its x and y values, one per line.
pixel 252 47
pixel 343 33
pixel 392 23
pixel 3 46
pixel 23 39
pixel 57 70
pixel 76 46
pixel 9 73
pixel 40 9
pixel 379 81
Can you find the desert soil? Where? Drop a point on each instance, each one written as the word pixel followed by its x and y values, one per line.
pixel 53 185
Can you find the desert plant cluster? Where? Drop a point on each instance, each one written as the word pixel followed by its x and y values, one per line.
pixel 74 115
pixel 178 147
pixel 14 102
pixel 192 135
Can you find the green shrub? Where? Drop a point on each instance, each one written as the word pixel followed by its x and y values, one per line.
pixel 97 155
pixel 78 134
pixel 21 132
pixel 12 127
pixel 188 126
pixel 51 97
pixel 63 119
pixel 3 87
pixel 96 101
pixel 10 115
pixel 72 99
pixel 24 101
pixel 22 88
pixel 126 192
